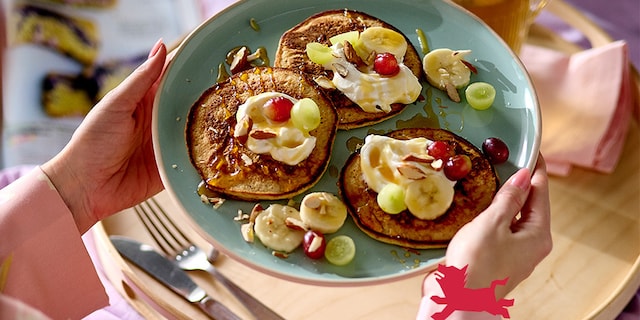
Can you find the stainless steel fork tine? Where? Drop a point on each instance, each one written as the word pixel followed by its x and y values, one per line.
pixel 156 227
pixel 184 241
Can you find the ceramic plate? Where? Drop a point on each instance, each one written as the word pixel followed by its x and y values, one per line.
pixel 515 118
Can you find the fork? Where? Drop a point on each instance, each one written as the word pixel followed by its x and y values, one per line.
pixel 176 245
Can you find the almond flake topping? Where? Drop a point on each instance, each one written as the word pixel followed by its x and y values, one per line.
pixel 411 172
pixel 262 135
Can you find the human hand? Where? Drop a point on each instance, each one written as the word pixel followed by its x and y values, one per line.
pixel 109 164
pixel 498 243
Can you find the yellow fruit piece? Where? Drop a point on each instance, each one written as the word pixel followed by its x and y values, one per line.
pixel 444 66
pixel 381 40
pixel 429 198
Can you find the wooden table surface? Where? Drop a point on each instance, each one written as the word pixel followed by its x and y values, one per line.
pixel 591 273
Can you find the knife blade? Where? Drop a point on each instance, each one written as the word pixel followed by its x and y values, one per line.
pixel 169 274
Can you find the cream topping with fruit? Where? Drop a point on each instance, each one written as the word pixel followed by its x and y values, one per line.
pixel 284 141
pixel 428 193
pixel 372 91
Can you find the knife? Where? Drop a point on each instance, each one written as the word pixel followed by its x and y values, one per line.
pixel 165 271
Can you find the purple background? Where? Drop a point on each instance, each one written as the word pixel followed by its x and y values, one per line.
pixel 619 18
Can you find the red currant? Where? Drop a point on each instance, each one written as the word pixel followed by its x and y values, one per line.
pixel 457 167
pixel 278 109
pixel 314 244
pixel 386 64
pixel 496 150
pixel 440 150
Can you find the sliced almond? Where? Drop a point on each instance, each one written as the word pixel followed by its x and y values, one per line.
pixel 257 209
pixel 452 92
pixel 437 165
pixel 246 159
pixel 351 55
pixel 217 202
pixel 418 158
pixel 315 244
pixel 323 210
pixel 247 232
pixel 324 82
pixel 279 254
pixel 341 70
pixel 241 216
pixel 262 135
pixel 239 62
pixel 411 172
pixel 312 202
pixel 243 127
pixel 295 224
pixel 371 58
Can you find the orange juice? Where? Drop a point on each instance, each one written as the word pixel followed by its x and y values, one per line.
pixel 510 19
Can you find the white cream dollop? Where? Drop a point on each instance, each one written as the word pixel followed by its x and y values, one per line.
pixel 368 89
pixel 381 160
pixel 289 145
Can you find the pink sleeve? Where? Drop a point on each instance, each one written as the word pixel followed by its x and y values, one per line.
pixel 47 265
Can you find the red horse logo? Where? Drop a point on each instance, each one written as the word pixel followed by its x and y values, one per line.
pixel 456 297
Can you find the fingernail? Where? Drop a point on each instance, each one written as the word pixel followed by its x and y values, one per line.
pixel 521 179
pixel 156 48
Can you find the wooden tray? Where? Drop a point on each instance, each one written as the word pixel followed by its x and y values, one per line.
pixel 591 273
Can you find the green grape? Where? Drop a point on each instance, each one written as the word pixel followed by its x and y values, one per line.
pixel 480 95
pixel 319 53
pixel 305 114
pixel 391 199
pixel 340 250
pixel 351 36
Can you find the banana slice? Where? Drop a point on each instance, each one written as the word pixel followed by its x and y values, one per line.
pixel 430 197
pixel 272 230
pixel 381 40
pixel 446 71
pixel 323 212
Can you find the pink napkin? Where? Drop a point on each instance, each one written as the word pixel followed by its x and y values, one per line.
pixel 586 100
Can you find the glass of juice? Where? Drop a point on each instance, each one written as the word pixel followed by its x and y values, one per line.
pixel 510 19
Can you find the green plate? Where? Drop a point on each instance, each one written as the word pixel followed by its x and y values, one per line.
pixel 515 118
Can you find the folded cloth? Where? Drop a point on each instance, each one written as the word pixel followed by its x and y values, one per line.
pixel 586 101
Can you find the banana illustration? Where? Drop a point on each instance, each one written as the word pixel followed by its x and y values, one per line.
pixel 271 228
pixel 323 212
pixel 446 71
pixel 430 197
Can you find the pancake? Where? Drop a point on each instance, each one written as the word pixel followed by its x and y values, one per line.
pixel 320 28
pixel 473 194
pixel 226 163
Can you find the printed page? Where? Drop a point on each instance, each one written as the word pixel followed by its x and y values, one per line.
pixel 63 56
